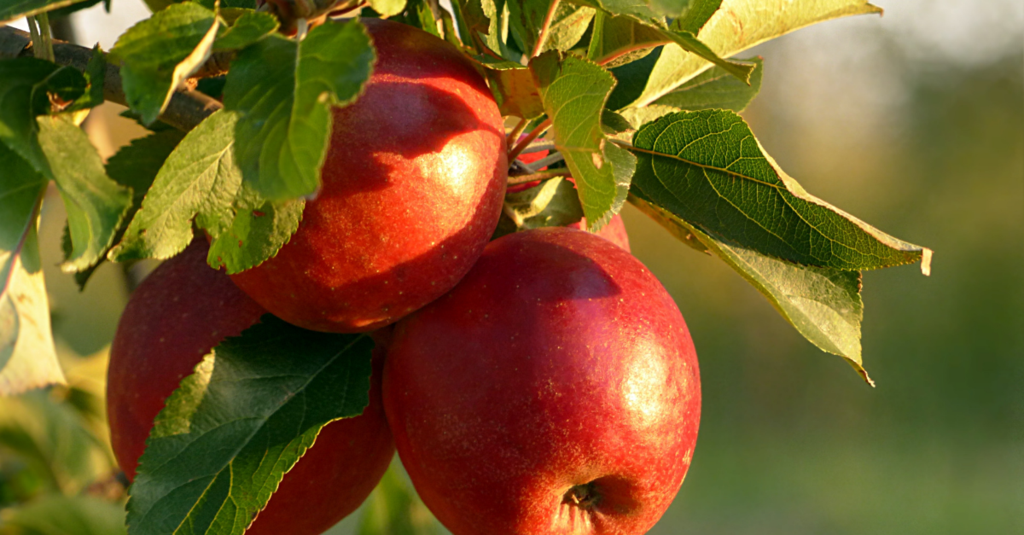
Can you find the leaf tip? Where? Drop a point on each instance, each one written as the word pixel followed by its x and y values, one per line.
pixel 926 261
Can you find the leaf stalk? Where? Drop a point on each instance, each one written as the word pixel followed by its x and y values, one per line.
pixel 543 36
pixel 534 134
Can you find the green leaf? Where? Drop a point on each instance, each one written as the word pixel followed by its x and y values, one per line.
pixel 614 124
pixel 671 8
pixel 394 509
pixel 638 9
pixel 256 232
pixel 823 304
pixel 134 166
pixel 471 21
pixel 58 91
pixel 25 84
pixel 553 203
pixel 489 21
pixel 159 53
pixel 27 355
pixel 707 168
pixel 12 10
pixel 388 8
pixel 696 16
pixel 715 88
pixel 201 180
pixel 198 178
pixel 574 91
pixel 249 28
pixel 567 27
pixel 619 36
pixel 420 15
pixel 759 22
pixel 96 205
pixel 631 78
pixel 232 429
pixel 711 89
pixel 284 92
pixel 64 515
pixel 95 75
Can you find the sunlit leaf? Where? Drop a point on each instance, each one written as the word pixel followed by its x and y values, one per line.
pixel 96 205
pixel 823 304
pixel 696 16
pixel 284 92
pixel 198 178
pixel 27 356
pixel 388 8
pixel 638 9
pixel 707 168
pixel 711 89
pixel 421 15
pixel 246 30
pixel 232 429
pixel 256 231
pixel 567 26
pixel 574 91
pixel 134 166
pixel 616 38
pixel 159 53
pixel 553 203
pixel 759 21
pixel 201 180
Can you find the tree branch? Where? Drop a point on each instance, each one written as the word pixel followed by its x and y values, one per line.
pixel 185 111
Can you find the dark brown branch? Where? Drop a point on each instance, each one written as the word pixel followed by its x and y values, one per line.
pixel 218 64
pixel 185 111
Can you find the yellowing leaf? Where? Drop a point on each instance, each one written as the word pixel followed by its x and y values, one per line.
pixel 737 26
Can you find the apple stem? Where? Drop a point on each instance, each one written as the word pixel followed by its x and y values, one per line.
pixel 534 134
pixel 533 177
pixel 545 161
pixel 517 130
pixel 544 29
pixel 585 496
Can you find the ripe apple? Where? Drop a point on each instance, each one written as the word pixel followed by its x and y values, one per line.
pixel 413 183
pixel 174 318
pixel 554 391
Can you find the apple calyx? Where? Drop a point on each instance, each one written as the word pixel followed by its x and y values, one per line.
pixel 585 496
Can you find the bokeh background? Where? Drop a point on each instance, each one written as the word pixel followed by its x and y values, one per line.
pixel 915 123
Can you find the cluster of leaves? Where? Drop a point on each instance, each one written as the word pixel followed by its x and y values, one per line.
pixel 637 99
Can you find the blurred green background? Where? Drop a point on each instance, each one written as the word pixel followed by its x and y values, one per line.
pixel 913 122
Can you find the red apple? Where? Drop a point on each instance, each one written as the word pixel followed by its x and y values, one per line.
pixel 174 318
pixel 413 183
pixel 554 391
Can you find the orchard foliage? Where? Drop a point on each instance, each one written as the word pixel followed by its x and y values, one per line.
pixel 638 101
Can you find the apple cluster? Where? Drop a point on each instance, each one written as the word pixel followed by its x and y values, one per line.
pixel 541 383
